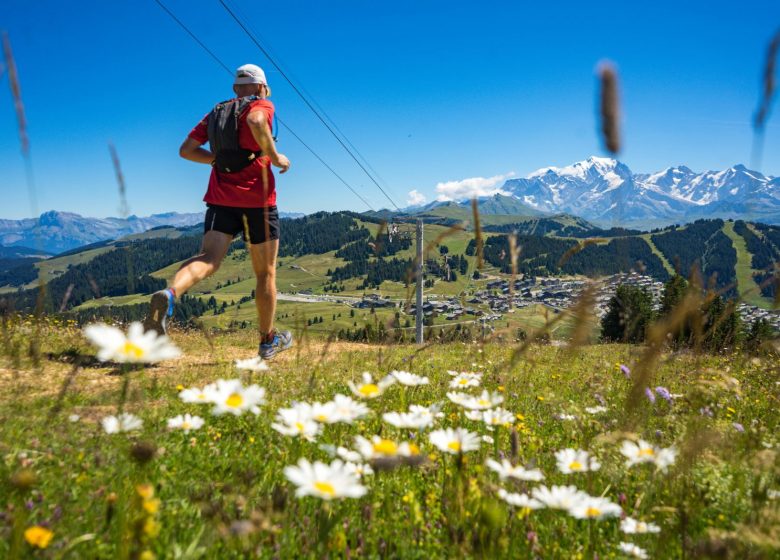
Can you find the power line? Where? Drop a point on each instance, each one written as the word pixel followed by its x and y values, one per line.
pixel 290 130
pixel 306 101
pixel 311 97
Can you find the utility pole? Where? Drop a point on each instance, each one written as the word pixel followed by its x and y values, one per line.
pixel 419 276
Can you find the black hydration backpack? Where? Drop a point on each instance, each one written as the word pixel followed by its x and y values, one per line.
pixel 223 135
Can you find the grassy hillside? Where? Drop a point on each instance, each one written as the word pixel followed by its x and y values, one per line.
pixel 308 272
pixel 220 491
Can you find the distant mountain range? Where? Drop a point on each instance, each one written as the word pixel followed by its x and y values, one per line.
pixel 607 193
pixel 55 232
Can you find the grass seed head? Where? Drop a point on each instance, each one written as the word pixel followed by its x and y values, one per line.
pixel 609 107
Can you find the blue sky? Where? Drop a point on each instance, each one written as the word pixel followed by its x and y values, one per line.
pixel 429 92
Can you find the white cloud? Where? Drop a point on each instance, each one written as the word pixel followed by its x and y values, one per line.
pixel 471 187
pixel 415 198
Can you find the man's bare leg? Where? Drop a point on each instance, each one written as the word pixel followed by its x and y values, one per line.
pixel 264 265
pixel 213 250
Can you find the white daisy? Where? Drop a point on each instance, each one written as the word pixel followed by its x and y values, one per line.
pixel 519 500
pixel 296 422
pixel 348 455
pixel 347 409
pixel 255 363
pixel 497 417
pixel 558 497
pixel 370 389
pixel 230 396
pixel 359 469
pixel 135 347
pixel 566 417
pixel 575 460
pixel 644 452
pixel 506 470
pixel 185 422
pixel 465 380
pixel 381 448
pixel 482 402
pixel 632 526
pixel 417 418
pixel 630 549
pixel 665 458
pixel 324 413
pixel 197 395
pixel 454 441
pixel 124 422
pixel 324 481
pixel 409 379
pixel 639 452
pixel 594 507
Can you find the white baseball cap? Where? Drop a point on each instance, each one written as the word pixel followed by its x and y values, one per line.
pixel 250 74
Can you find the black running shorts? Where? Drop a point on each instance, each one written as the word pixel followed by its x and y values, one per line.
pixel 256 225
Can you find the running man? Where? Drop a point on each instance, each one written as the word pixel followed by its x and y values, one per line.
pixel 241 198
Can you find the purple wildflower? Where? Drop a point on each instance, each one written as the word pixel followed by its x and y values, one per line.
pixel 625 370
pixel 649 394
pixel 739 427
pixel 664 393
pixel 531 536
pixel 706 411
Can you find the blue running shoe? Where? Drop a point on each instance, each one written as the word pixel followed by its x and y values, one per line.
pixel 276 342
pixel 160 308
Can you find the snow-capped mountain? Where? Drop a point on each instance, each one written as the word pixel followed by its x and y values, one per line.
pixel 605 190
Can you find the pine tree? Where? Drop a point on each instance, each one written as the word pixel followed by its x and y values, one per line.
pixel 629 312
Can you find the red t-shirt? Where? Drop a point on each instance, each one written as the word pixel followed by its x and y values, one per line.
pixel 253 186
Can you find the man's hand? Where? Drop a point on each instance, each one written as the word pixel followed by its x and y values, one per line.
pixel 281 162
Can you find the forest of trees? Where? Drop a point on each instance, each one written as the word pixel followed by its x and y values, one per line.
pixel 121 271
pixel 319 233
pixel 702 247
pixel 545 256
pixel 714 326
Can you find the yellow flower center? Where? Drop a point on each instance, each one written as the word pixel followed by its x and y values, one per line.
pixel 299 426
pixel 325 488
pixel 454 445
pixel 385 447
pixel 130 349
pixel 592 512
pixel 185 426
pixel 483 402
pixel 201 396
pixel 646 451
pixel 463 381
pixel 641 527
pixel 321 418
pixel 234 400
pixel 413 449
pixel 575 466
pixel 495 420
pixel 369 390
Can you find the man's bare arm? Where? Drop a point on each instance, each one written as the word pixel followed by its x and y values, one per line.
pixel 192 150
pixel 261 131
